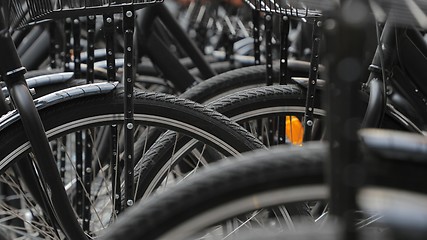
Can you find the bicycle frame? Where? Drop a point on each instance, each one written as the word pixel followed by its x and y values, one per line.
pixel 397 75
pixel 12 73
pixel 152 44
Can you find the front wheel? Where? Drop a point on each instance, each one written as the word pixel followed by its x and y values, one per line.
pixel 86 138
pixel 219 202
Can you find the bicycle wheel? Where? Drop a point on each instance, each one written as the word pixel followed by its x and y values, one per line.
pixel 235 194
pixel 259 110
pixel 80 131
pixel 253 108
pixel 239 79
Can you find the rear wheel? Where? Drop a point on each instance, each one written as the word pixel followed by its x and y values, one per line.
pixel 85 135
pixel 227 199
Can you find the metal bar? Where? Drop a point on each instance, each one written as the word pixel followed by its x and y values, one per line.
pixel 257 39
pixel 12 73
pixel 284 75
pixel 129 76
pixel 110 49
pixel 77 48
pixel 87 180
pixel 115 172
pixel 188 45
pixel 79 135
pixel 379 69
pixel 269 47
pixel 62 155
pixel 67 52
pixel 90 60
pixel 78 198
pixel 284 50
pixel 313 74
pixel 46 163
pixel 345 40
pixel 53 45
pixel 162 57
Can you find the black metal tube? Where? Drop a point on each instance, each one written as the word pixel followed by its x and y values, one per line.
pixel 33 127
pixel 268 19
pixel 77 48
pixel 29 39
pixel 53 44
pixel 78 197
pixel 110 48
pixel 189 46
pixel 375 108
pixel 67 44
pixel 12 72
pixel 87 180
pixel 312 80
pixel 257 42
pixel 34 56
pixel 161 56
pixel 4 107
pixel 388 47
pixel 345 40
pixel 91 22
pixel 384 55
pixel 284 50
pixel 115 172
pixel 129 77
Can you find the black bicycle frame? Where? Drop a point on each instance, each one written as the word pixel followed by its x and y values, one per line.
pixel 153 45
pixel 12 72
pixel 398 74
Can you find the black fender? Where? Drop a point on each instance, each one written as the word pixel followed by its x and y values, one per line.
pixel 61 96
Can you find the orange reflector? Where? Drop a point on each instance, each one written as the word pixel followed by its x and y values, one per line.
pixel 294 130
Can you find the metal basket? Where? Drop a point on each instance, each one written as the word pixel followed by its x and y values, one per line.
pixel 29 12
pixel 291 8
pixel 402 12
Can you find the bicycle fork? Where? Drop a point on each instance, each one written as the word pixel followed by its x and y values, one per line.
pixel 12 73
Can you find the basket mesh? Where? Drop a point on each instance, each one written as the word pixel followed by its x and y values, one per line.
pixel 400 12
pixel 293 8
pixel 403 12
pixel 29 12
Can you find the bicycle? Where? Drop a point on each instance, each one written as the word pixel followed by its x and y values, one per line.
pixel 95 111
pixel 301 173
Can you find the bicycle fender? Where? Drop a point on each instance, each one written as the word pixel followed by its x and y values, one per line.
pixel 303 82
pixel 61 96
pixel 45 80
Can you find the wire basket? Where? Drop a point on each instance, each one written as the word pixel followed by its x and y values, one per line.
pixel 401 12
pixel 29 12
pixel 291 8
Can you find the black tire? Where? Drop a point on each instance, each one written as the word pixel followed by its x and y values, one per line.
pixel 239 79
pixel 227 190
pixel 245 107
pixel 241 106
pixel 270 178
pixel 252 108
pixel 151 109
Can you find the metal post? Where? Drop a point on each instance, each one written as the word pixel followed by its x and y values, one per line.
pixel 345 39
pixel 128 28
pixel 269 47
pixel 313 74
pixel 257 40
pixel 91 21
pixel 77 48
pixel 109 41
pixel 284 50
